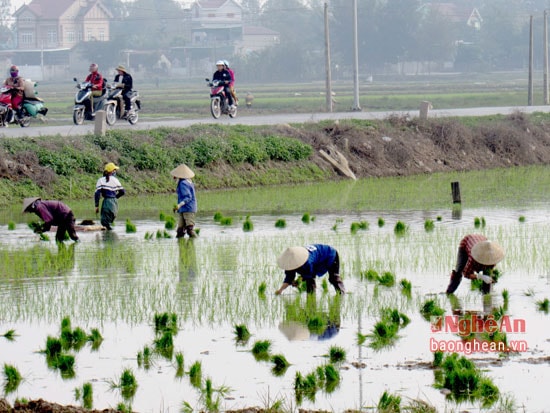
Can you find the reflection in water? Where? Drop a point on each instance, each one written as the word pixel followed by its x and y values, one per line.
pixel 456 212
pixel 38 261
pixel 187 267
pixel 311 321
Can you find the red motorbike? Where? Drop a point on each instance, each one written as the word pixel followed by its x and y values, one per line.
pixel 218 100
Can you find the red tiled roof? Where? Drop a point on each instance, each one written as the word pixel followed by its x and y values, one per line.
pixel 49 9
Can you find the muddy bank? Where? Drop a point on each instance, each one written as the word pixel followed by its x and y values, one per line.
pixel 238 156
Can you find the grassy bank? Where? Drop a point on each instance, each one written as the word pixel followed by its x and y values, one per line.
pixel 246 156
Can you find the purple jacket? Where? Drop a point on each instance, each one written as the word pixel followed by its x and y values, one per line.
pixel 51 212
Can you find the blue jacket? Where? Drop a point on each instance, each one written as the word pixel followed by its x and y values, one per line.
pixel 320 258
pixel 186 193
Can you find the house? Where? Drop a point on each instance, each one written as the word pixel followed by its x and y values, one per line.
pixel 456 13
pixel 216 22
pixel 60 24
pixel 256 38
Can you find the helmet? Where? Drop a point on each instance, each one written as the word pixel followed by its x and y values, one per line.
pixel 94 67
pixel 220 62
pixel 226 63
pixel 14 71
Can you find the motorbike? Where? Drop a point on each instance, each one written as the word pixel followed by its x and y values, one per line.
pixel 218 100
pixel 82 102
pixel 114 105
pixel 31 107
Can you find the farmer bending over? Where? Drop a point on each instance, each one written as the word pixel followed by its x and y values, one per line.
pixel 309 262
pixel 52 213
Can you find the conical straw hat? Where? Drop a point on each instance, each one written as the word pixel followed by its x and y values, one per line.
pixel 182 172
pixel 294 331
pixel 487 253
pixel 292 258
pixel 27 202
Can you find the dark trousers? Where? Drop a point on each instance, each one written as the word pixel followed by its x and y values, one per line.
pixel 68 226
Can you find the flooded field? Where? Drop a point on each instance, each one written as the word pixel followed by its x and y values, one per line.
pixel 123 283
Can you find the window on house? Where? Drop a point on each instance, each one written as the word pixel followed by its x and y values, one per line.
pixel 27 38
pixel 89 36
pixel 52 36
pixel 102 35
pixel 70 36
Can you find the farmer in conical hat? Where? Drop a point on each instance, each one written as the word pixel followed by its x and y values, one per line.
pixel 110 188
pixel 476 255
pixel 309 262
pixel 187 203
pixel 53 213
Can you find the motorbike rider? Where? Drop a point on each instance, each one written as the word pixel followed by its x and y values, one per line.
pixel 232 84
pixel 16 84
pixel 224 77
pixel 96 79
pixel 126 79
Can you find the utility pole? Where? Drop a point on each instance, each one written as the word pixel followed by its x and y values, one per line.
pixel 530 83
pixel 356 105
pixel 545 45
pixel 328 88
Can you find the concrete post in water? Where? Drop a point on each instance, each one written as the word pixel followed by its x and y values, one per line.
pixel 100 126
pixel 425 107
pixel 455 187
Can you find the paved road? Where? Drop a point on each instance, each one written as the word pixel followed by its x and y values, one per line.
pixel 38 129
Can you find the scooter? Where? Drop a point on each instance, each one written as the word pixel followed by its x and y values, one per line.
pixel 218 100
pixel 82 102
pixel 31 107
pixel 114 105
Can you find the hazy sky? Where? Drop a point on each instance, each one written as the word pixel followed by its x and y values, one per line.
pixel 15 4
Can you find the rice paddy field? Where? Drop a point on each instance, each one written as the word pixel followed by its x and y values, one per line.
pixel 142 321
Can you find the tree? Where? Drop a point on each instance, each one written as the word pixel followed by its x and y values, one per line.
pixel 5 24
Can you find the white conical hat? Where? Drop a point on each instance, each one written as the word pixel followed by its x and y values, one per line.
pixel 294 331
pixel 27 202
pixel 487 252
pixel 182 172
pixel 292 258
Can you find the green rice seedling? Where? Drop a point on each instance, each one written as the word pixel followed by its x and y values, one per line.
pixel 179 364
pixel 542 305
pixel 77 393
pixel 124 408
pixel 306 218
pixel 370 275
pixel 280 365
pixel 159 234
pixel 280 223
pixel 226 221
pixel 95 338
pixel 149 235
pixel 317 324
pixel 483 222
pixel 400 228
pixel 195 374
pixel 35 226
pixel 332 378
pixel 381 222
pixel 12 378
pixel 218 216
pixel 166 322
pixel 144 357
pixel 260 350
pixel 439 218
pixel 9 335
pixel 79 338
pixel 127 384
pixel 488 392
pixel 336 354
pixel 262 288
pixel 521 218
pixel 164 345
pixel 361 338
pixel 130 227
pixel 11 226
pixel 389 403
pixel 419 406
pixel 429 225
pixel 387 279
pixel 248 225
pixel 87 395
pixel 430 308
pixel 44 237
pixel 477 222
pixel 334 227
pixel 406 287
pixel 505 294
pixel 324 285
pixel 65 364
pixel 170 222
pixel 438 359
pixel 53 347
pixel 162 216
pixel 242 335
